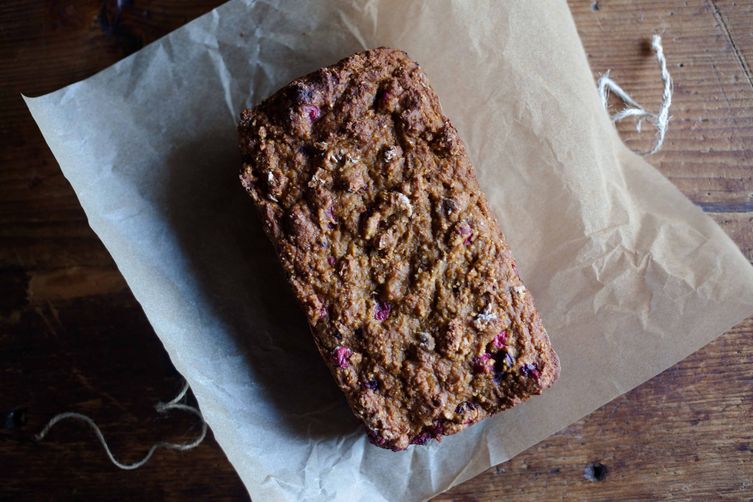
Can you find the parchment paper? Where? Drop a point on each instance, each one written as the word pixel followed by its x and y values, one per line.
pixel 629 276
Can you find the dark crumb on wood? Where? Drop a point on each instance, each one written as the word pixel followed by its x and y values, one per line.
pixel 110 19
pixel 595 6
pixel 14 419
pixel 595 472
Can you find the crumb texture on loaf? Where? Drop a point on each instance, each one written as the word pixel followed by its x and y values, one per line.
pixel 413 297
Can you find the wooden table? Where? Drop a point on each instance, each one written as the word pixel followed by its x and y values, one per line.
pixel 73 337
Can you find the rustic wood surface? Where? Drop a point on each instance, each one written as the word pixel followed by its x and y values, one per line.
pixel 73 337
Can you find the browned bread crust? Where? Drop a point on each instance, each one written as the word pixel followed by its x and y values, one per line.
pixel 413 297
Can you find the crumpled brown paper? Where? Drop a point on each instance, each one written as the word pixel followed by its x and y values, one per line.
pixel 629 276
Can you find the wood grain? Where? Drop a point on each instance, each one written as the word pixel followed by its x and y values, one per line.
pixel 73 337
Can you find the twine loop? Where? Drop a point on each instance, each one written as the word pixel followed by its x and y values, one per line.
pixel 174 404
pixel 632 109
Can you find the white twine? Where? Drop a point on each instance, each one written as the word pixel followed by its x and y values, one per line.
pixel 175 404
pixel 661 120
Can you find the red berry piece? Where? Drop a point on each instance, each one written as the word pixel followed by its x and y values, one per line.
pixel 341 356
pixel 432 432
pixel 323 311
pixel 312 112
pixel 500 340
pixel 421 438
pixel 482 363
pixel 466 231
pixel 382 311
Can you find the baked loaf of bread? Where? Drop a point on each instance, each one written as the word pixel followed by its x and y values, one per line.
pixel 413 297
